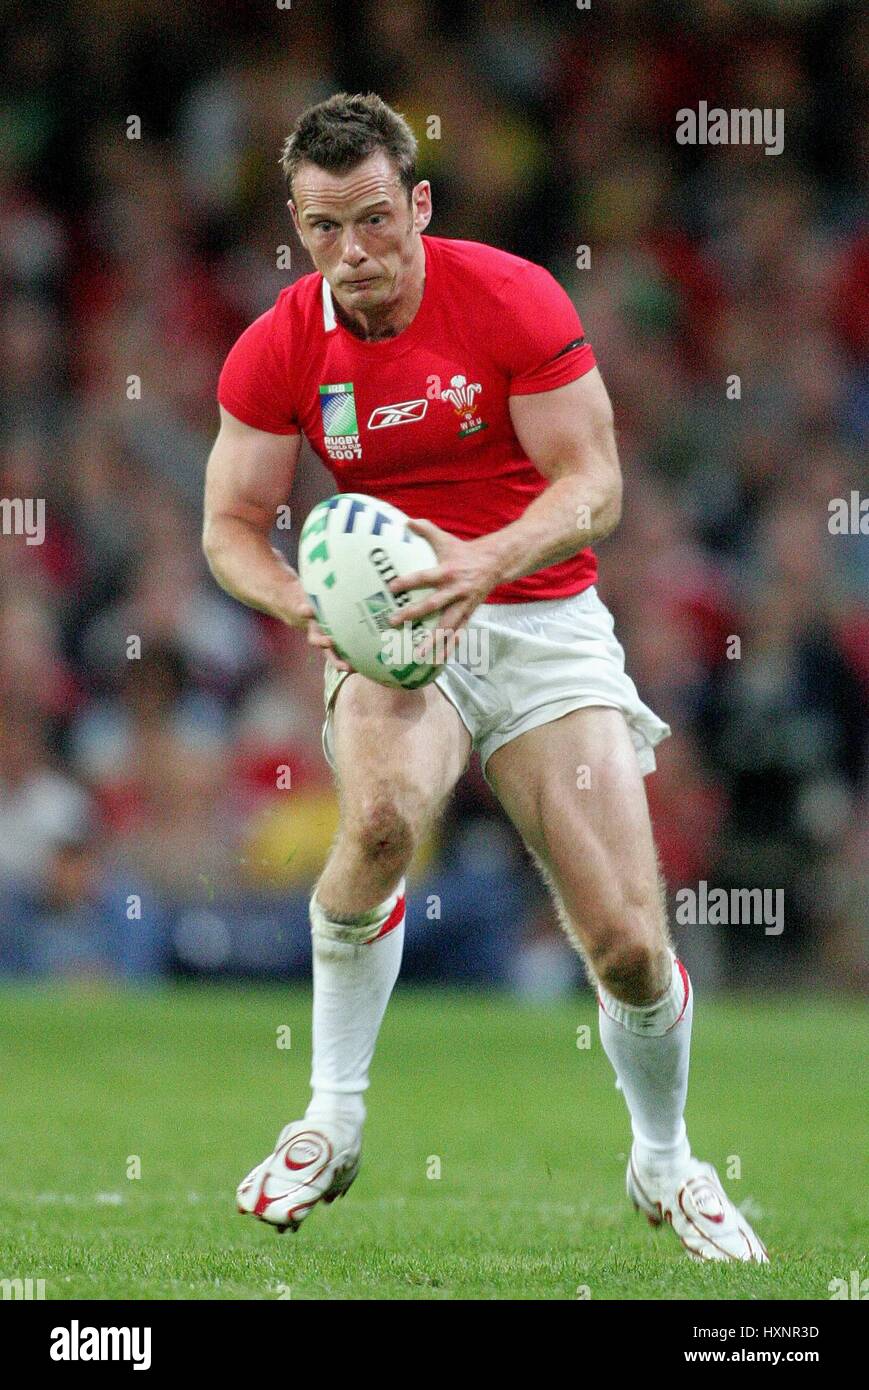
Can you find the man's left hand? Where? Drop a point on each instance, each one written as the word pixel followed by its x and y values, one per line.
pixel 466 573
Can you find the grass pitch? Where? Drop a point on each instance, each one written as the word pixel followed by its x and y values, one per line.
pixel 189 1088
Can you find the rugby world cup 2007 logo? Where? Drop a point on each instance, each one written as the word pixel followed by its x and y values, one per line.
pixel 340 428
pixel 460 393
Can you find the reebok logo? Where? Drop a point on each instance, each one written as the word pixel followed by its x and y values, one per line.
pixel 404 413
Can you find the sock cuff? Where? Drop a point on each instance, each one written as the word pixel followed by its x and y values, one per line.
pixel 365 928
pixel 656 1018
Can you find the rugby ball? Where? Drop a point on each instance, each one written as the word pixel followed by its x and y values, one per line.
pixel 350 547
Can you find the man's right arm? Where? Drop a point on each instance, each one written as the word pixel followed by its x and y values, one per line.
pixel 249 475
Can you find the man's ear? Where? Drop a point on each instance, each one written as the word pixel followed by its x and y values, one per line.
pixel 421 209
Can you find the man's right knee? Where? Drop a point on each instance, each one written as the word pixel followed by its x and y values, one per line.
pixel 381 829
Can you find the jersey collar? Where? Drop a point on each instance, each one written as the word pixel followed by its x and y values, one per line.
pixel 330 321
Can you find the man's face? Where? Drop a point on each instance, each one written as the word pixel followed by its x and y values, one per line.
pixel 358 228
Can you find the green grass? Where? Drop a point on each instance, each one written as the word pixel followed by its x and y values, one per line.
pixel 530 1133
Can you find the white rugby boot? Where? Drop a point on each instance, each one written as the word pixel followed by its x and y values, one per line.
pixel 695 1204
pixel 313 1161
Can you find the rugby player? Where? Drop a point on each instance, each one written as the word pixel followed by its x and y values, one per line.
pixel 455 381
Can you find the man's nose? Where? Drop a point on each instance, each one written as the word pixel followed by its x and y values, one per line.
pixel 351 250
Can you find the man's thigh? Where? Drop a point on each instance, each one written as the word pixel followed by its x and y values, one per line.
pixel 404 747
pixel 574 790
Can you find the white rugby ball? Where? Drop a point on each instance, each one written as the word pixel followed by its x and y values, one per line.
pixel 351 546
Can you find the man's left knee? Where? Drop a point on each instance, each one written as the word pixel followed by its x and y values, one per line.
pixel 631 958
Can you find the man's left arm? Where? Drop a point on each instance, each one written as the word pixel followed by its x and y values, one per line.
pixel 568 435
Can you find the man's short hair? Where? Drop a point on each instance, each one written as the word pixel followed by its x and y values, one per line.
pixel 337 134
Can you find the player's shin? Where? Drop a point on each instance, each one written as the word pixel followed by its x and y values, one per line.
pixel 649 1048
pixel 355 966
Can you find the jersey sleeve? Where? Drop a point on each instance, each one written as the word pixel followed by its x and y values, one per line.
pixel 544 344
pixel 254 384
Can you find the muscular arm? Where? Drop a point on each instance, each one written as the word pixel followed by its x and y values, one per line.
pixel 249 475
pixel 568 436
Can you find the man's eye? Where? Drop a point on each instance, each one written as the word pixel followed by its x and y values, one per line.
pixel 320 225
pixel 376 217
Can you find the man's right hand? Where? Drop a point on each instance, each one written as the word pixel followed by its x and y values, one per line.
pixel 302 614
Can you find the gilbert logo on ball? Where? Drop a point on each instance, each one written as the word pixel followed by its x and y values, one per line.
pixel 350 548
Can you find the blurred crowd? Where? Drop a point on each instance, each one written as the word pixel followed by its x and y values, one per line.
pixel 143 714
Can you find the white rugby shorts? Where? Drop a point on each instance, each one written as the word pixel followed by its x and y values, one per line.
pixel 534 663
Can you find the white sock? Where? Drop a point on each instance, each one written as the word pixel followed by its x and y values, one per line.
pixel 355 966
pixel 649 1046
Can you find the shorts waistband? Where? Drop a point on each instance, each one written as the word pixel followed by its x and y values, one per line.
pixel 539 606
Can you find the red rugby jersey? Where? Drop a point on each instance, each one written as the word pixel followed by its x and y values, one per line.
pixel 421 420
